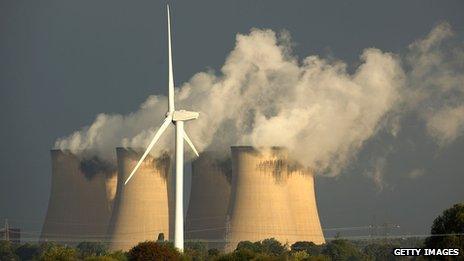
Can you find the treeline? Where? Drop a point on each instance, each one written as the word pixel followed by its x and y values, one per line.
pixel 268 249
pixel 447 232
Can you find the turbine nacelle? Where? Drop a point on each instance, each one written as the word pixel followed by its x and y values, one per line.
pixel 183 115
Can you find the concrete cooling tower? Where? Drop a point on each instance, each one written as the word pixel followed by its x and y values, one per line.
pixel 270 200
pixel 302 196
pixel 209 200
pixel 79 207
pixel 142 207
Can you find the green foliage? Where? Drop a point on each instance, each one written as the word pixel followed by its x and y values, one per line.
pixel 451 221
pixel 243 254
pixel 273 247
pixel 196 250
pixel 248 245
pixel 118 255
pixel 100 258
pixel 150 250
pixel 269 246
pixel 28 251
pixel 59 253
pixel 213 252
pixel 379 251
pixel 7 251
pixel 309 247
pixel 89 249
pixel 266 250
pixel 340 249
pixel 299 255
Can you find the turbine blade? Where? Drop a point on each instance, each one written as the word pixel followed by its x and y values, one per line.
pixel 187 139
pixel 160 131
pixel 170 72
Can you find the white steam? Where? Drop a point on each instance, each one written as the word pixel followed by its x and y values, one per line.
pixel 265 96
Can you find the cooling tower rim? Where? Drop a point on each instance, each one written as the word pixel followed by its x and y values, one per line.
pixel 141 149
pixel 136 149
pixel 61 150
pixel 252 148
pixel 67 152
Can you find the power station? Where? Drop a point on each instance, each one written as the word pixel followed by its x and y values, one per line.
pixel 253 195
pixel 80 203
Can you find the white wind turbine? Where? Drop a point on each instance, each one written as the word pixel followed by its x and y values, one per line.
pixel 177 118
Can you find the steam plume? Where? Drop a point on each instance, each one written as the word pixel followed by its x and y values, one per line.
pixel 266 96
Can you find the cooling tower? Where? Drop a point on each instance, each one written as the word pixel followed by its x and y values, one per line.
pixel 142 207
pixel 300 186
pixel 209 200
pixel 79 207
pixel 269 200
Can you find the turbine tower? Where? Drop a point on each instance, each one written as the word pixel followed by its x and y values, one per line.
pixel 177 117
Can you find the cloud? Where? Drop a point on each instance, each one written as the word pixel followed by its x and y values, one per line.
pixel 265 96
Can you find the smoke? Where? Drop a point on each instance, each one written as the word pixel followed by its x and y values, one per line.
pixel 265 96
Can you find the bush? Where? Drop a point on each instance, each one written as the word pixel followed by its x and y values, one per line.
pixel 309 247
pixel 88 249
pixel 340 249
pixel 100 258
pixel 7 251
pixel 380 251
pixel 150 250
pixel 28 251
pixel 59 253
pixel 268 246
pixel 243 254
pixel 118 255
pixel 273 247
pixel 213 252
pixel 248 245
pixel 299 255
pixel 196 250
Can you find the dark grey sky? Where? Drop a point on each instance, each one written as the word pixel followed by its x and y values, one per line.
pixel 62 62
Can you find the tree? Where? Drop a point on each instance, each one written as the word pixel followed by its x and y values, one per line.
pixel 447 229
pixel 118 255
pixel 242 254
pixel 380 251
pixel 268 246
pixel 213 252
pixel 273 247
pixel 27 251
pixel 309 247
pixel 150 250
pixel 197 250
pixel 59 253
pixel 7 251
pixel 100 258
pixel 248 245
pixel 340 249
pixel 88 249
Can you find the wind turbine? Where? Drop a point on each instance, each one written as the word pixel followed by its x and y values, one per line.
pixel 176 117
